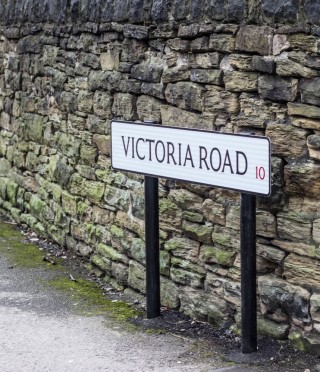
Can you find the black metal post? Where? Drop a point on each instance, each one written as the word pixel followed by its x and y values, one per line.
pixel 248 274
pixel 152 246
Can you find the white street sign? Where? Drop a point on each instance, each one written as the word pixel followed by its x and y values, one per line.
pixel 232 161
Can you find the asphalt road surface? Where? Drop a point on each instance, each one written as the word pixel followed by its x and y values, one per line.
pixel 41 330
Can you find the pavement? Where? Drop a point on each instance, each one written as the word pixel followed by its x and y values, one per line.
pixel 42 330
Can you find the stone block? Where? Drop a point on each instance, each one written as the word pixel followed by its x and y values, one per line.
pixel 103 143
pixel 275 330
pixel 270 253
pixel 294 227
pixel 313 143
pixel 199 232
pixel 149 72
pixel 152 89
pixel 287 67
pixel 219 101
pixel 287 141
pixel 182 118
pixel 124 106
pixel 94 191
pixel 210 254
pixel 280 300
pixel 222 43
pixel 312 11
pixel 135 31
pixel 303 179
pixel 203 306
pixel 308 111
pixel 149 108
pixel 159 12
pixel 174 74
pixel 304 42
pixel 170 216
pixel 183 247
pixel 169 294
pixel 200 44
pixel 302 271
pixel 236 10
pixel 255 39
pixel 315 307
pixel 120 272
pixel 111 253
pixel 214 212
pixel 185 95
pixel 265 224
pixel 179 45
pixel 186 199
pixel 137 276
pixel 299 248
pixel 310 91
pixel 205 60
pixel 187 278
pixel 117 198
pixel 281 11
pixel 277 88
pixel 206 76
pixel 238 81
pixel 263 64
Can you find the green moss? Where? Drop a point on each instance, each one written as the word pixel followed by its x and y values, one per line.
pixel 92 300
pixel 117 232
pixel 221 239
pixel 18 252
pixel 166 205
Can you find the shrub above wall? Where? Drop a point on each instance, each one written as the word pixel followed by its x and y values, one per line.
pixel 233 66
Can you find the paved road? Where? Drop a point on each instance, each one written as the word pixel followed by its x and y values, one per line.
pixel 42 331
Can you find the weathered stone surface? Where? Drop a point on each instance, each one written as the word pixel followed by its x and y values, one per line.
pixel 313 143
pixel 277 296
pixel 299 248
pixel 219 101
pixel 184 248
pixel 185 95
pixel 211 76
pixel 210 254
pixel 186 199
pixel 205 60
pixel 283 10
pixel 301 109
pixel 136 278
pixel 315 307
pixel 312 11
pixel 302 271
pixel 255 39
pixel 263 64
pixel 237 81
pixel 287 67
pixel 308 43
pixel 277 88
pixel 148 108
pixel 309 89
pixel 287 141
pixel 214 212
pixel 302 179
pixel 271 253
pixel 275 330
pixel 203 306
pixel 222 43
pixel 265 224
pixel 294 227
pixel 198 232
pixel 255 112
pixel 174 74
pixel 169 294
pixel 124 105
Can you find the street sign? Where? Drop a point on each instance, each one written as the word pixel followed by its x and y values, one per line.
pixel 233 161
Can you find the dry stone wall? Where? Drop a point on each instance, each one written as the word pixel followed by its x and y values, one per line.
pixel 68 68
